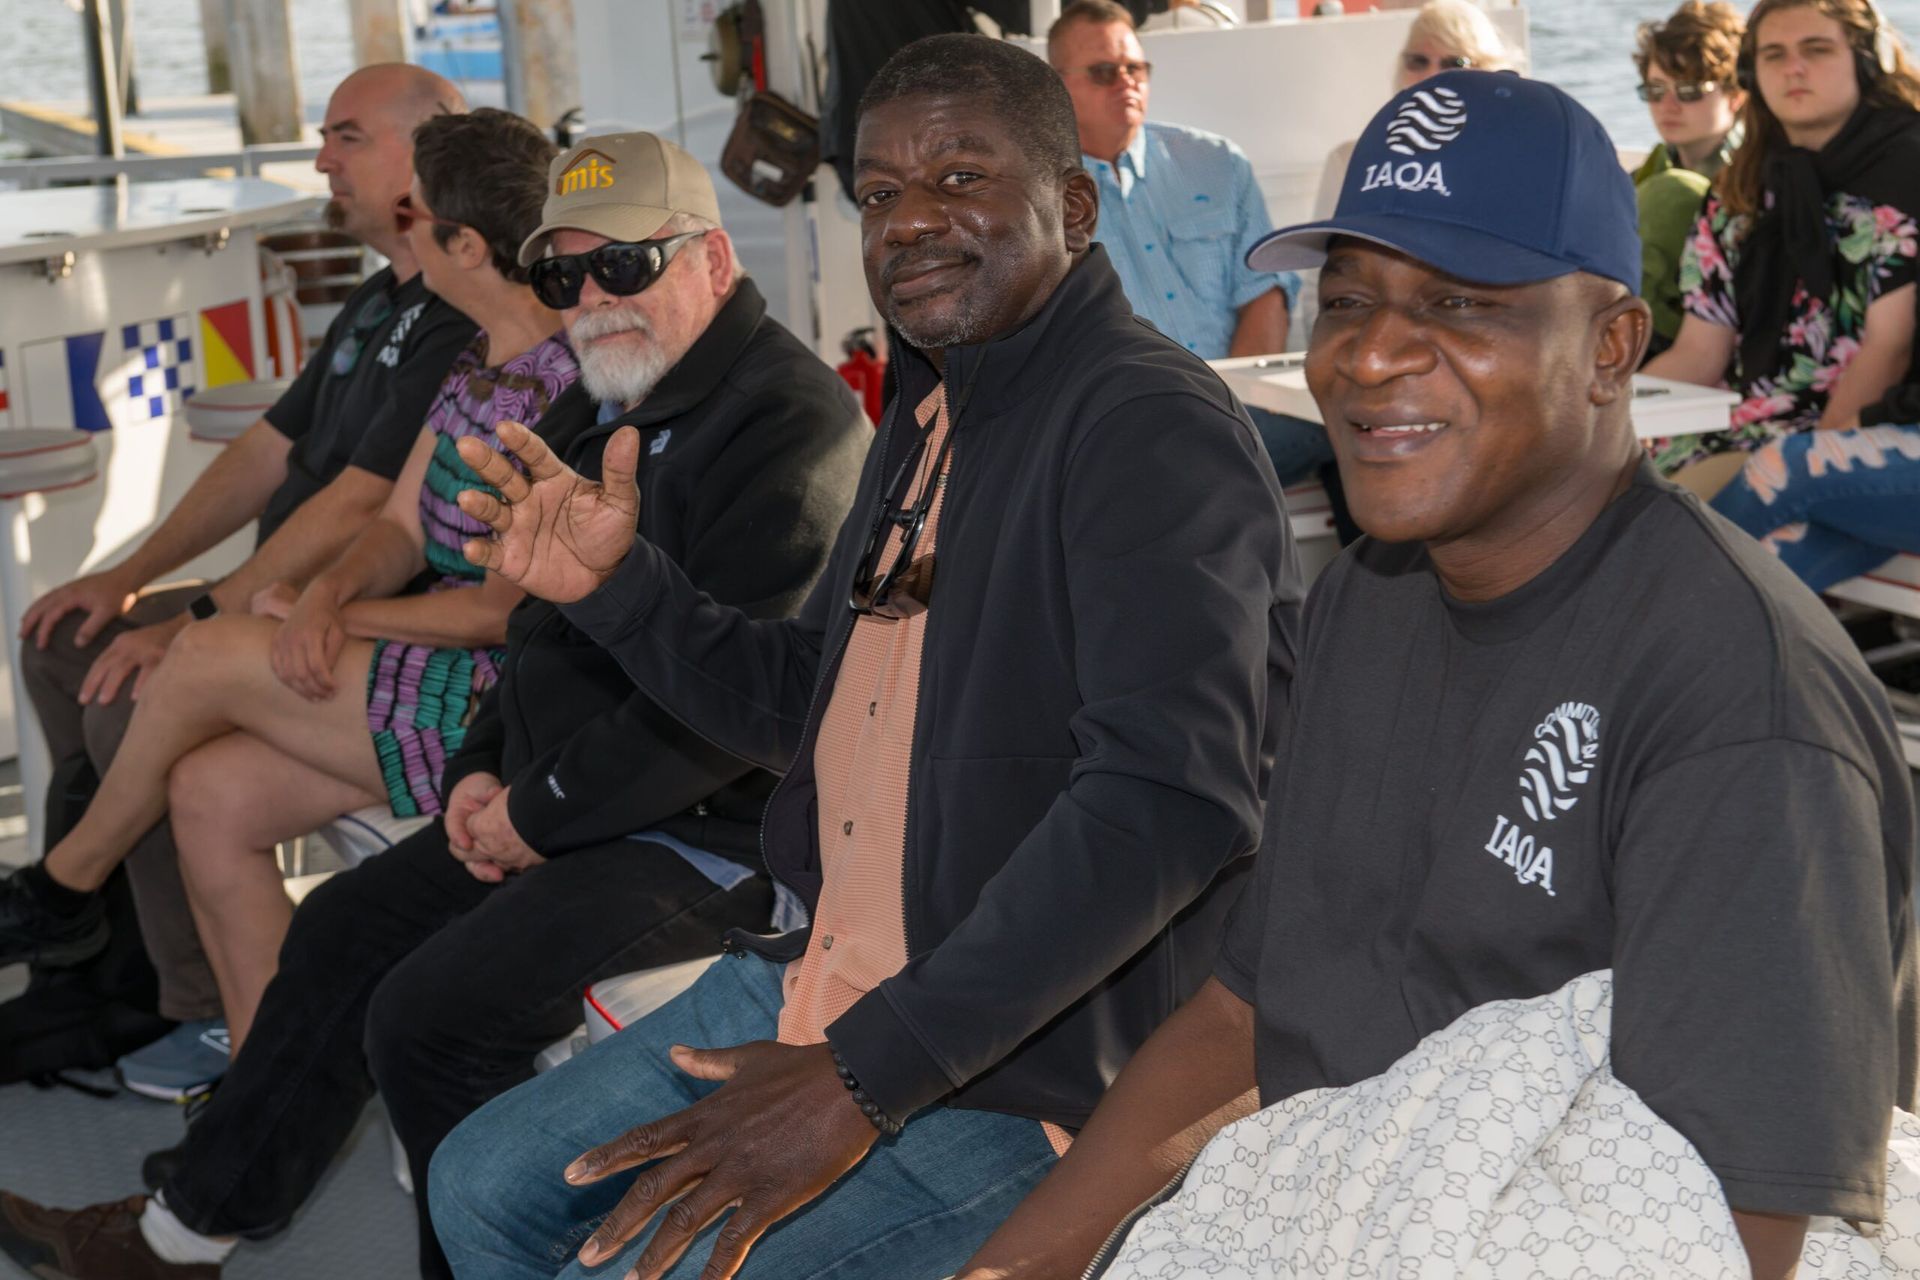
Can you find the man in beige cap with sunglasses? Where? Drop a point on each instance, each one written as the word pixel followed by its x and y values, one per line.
pixel 621 210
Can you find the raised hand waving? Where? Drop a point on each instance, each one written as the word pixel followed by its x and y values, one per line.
pixel 556 534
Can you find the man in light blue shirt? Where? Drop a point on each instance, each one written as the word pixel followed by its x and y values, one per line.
pixel 1179 209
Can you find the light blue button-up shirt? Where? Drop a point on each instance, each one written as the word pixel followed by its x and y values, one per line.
pixel 1177 215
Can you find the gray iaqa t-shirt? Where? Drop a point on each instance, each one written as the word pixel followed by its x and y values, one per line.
pixel 1660 756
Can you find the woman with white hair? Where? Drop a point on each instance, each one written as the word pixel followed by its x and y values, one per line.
pixel 1447 35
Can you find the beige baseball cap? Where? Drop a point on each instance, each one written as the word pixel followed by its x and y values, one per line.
pixel 623 186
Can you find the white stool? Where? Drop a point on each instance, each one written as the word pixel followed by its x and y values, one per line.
pixel 361 834
pixel 619 1002
pixel 220 415
pixel 1310 511
pixel 1315 539
pixel 355 836
pixel 33 460
pixel 1895 587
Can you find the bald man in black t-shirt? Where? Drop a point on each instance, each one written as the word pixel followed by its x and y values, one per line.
pixel 1551 716
pixel 313 471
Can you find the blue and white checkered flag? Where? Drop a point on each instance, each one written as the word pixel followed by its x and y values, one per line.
pixel 157 363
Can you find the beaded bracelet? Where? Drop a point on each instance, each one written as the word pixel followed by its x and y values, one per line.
pixel 880 1120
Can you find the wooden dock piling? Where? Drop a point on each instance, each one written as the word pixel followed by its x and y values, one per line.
pixel 215 18
pixel 542 70
pixel 103 81
pixel 265 80
pixel 379 31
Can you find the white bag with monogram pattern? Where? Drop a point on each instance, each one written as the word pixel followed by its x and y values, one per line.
pixel 1501 1147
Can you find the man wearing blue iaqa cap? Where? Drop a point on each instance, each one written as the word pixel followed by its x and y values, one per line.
pixel 1552 717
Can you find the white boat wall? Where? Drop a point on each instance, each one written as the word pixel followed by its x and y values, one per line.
pixel 1286 91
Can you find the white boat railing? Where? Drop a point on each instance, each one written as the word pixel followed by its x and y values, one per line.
pixel 31 175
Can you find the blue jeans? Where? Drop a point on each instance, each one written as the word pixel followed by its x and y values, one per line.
pixel 1297 447
pixel 915 1209
pixel 1831 504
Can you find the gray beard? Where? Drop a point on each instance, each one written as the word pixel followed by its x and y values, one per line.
pixel 625 379
pixel 618 377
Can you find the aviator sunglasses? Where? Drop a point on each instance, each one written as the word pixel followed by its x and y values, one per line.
pixel 1107 74
pixel 620 268
pixel 1685 92
pixel 1420 63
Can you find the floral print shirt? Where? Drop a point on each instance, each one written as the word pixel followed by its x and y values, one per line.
pixel 1874 250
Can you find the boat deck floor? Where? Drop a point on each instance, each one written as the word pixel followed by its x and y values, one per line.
pixel 61 1147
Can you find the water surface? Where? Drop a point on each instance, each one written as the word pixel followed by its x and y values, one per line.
pixel 1583 45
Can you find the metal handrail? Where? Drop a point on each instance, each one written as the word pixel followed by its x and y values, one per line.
pixel 30 175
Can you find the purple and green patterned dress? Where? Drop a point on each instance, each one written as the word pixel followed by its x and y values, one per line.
pixel 420 699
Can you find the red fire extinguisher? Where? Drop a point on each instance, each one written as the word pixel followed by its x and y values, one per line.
pixel 864 371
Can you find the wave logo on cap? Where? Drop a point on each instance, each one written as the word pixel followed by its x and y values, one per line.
pixel 1427 121
pixel 591 170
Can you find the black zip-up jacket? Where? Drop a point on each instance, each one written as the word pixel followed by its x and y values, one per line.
pixel 750 449
pixel 1111 628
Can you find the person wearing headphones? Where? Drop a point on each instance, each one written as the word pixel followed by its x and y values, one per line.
pixel 1798 283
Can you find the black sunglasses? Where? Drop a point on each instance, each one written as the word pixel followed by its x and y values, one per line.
pixel 906 588
pixel 622 269
pixel 1421 63
pixel 1685 92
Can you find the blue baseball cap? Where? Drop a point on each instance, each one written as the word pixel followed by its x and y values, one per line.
pixel 1486 176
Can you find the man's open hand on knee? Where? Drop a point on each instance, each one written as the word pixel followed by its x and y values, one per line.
pixel 778 1133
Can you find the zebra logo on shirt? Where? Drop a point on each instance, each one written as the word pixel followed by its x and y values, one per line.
pixel 1565 750
pixel 1426 122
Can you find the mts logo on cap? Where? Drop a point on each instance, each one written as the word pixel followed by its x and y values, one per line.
pixel 1425 123
pixel 589 171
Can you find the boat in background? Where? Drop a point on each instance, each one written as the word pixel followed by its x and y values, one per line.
pixel 462 43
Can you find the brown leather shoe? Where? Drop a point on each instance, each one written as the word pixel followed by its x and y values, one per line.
pixel 100 1242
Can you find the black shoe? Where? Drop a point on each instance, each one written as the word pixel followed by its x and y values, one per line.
pixel 160 1166
pixel 31 934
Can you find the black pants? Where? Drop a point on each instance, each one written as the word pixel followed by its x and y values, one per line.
pixel 408 975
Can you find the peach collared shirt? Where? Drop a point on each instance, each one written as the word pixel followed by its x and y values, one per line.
pixel 861 760
pixel 860 766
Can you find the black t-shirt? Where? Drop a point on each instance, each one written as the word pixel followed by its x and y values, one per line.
pixel 1660 756
pixel 363 396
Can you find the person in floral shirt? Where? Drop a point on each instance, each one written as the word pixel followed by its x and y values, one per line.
pixel 1875 255
pixel 1798 279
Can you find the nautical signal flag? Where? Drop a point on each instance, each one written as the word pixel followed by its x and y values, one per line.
pixel 59 382
pixel 119 377
pixel 226 344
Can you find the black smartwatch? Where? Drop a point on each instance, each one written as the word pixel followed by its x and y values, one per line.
pixel 203 607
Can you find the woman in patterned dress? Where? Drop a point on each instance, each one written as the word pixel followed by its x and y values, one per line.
pixel 354 691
